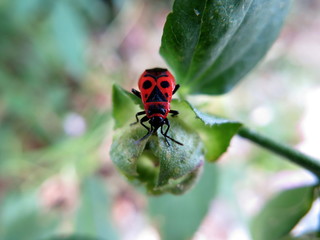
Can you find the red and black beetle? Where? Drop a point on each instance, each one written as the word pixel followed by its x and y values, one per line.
pixel 157 85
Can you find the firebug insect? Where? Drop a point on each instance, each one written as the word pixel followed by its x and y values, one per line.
pixel 157 85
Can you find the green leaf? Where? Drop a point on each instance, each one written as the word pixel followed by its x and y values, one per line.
pixel 216 133
pixel 123 106
pixel 94 216
pixel 282 213
pixel 210 45
pixel 179 217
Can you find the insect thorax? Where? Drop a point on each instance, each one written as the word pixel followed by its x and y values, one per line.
pixel 160 109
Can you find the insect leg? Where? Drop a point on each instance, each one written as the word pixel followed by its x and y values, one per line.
pixel 166 122
pixel 138 114
pixel 150 130
pixel 175 88
pixel 173 113
pixel 136 92
pixel 144 119
pixel 165 134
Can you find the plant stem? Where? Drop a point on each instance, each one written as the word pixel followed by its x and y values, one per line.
pixel 293 155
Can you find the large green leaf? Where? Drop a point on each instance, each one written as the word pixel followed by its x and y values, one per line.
pixel 180 216
pixel 282 213
pixel 210 45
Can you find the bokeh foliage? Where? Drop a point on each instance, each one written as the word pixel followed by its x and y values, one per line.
pixel 45 77
pixel 43 70
pixel 43 81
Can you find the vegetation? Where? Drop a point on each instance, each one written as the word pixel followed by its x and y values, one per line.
pixel 62 109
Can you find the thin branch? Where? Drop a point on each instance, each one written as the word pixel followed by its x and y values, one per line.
pixel 293 155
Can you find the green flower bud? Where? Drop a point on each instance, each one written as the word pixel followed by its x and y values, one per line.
pixel 160 167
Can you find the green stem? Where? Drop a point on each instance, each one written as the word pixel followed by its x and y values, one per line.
pixel 307 162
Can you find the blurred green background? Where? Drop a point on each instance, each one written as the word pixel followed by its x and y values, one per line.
pixel 58 60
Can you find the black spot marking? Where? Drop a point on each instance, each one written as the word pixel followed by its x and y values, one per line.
pixel 167 95
pixel 146 95
pixel 164 84
pixel 147 84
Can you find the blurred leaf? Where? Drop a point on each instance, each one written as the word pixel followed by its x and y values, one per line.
pixel 211 45
pixel 179 217
pixel 73 237
pixel 97 11
pixel 307 236
pixel 282 213
pixel 21 218
pixel 23 11
pixel 71 36
pixel 94 216
pixel 80 152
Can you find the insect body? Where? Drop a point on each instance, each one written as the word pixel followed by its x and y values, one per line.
pixel 157 86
